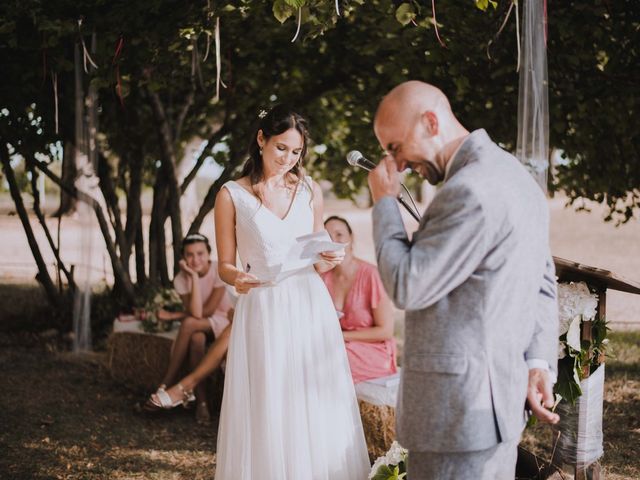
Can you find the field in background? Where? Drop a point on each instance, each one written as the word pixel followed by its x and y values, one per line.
pixel 578 236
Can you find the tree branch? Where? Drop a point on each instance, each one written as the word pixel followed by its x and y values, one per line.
pixel 183 113
pixel 109 192
pixel 215 138
pixel 43 275
pixel 43 223
pixel 119 272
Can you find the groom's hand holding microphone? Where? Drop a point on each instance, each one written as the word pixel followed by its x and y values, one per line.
pixel 384 180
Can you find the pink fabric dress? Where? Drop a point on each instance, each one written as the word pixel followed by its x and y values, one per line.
pixel 210 280
pixel 367 359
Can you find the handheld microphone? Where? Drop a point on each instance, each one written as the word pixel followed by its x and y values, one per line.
pixel 356 159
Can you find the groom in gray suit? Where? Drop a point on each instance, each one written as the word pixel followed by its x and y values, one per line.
pixel 478 285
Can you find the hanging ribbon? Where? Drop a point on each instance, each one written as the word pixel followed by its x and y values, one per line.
pixel 206 52
pixel 54 81
pixel 193 58
pixel 545 22
pixel 218 59
pixel 44 67
pixel 209 14
pixel 85 53
pixel 116 64
pixel 435 23
pixel 299 24
pixel 196 63
pixel 504 23
pixel 517 34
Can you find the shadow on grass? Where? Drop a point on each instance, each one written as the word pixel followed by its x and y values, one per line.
pixel 63 417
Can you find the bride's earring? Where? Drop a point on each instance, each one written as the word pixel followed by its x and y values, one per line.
pixel 260 150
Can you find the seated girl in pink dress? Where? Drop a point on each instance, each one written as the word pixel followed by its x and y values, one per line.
pixel 365 311
pixel 206 307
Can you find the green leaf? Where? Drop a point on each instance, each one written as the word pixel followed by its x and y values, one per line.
pixel 405 13
pixel 295 3
pixel 383 473
pixel 281 10
pixel 484 4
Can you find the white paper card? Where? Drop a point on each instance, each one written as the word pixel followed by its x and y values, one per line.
pixel 303 253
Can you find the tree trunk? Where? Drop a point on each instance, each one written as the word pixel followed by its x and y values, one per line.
pixel 55 249
pixel 43 275
pixel 111 198
pixel 168 168
pixel 133 228
pixel 157 257
pixel 141 275
pixel 119 273
pixel 68 175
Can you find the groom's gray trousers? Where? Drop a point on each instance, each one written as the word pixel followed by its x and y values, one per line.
pixel 496 463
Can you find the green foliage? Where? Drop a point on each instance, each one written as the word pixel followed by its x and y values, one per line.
pixel 576 364
pixel 484 4
pixel 391 472
pixel 405 13
pixel 336 73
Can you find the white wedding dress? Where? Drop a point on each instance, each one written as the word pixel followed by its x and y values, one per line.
pixel 289 410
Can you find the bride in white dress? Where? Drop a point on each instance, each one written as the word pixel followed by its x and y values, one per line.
pixel 289 410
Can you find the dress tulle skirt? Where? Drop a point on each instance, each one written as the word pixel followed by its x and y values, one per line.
pixel 289 410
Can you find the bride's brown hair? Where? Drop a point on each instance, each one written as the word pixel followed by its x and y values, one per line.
pixel 276 121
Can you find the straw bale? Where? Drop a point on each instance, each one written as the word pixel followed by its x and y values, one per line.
pixel 138 360
pixel 379 423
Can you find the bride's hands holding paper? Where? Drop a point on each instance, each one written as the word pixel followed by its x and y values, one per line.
pixel 330 260
pixel 245 282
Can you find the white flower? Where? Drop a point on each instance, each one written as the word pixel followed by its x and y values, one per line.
pixel 573 334
pixel 393 457
pixel 575 299
pixel 396 454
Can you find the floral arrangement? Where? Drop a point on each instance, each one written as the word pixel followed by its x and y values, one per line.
pixel 576 357
pixel 392 465
pixel 165 298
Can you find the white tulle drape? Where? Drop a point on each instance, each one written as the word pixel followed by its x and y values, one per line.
pixel 533 103
pixel 86 125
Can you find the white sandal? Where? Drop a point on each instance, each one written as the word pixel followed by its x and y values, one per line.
pixel 162 400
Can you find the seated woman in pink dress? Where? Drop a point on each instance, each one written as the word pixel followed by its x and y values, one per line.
pixel 206 308
pixel 365 311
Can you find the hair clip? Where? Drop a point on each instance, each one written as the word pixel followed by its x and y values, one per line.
pixel 262 114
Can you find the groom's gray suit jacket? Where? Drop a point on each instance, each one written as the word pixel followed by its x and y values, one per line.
pixel 477 281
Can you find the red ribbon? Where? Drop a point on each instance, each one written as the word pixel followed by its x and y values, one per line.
pixel 114 62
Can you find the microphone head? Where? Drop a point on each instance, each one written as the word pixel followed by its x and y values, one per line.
pixel 352 157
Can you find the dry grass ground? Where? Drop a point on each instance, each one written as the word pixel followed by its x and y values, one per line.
pixel 63 417
pixel 621 417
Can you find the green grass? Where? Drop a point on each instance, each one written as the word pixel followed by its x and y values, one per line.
pixel 621 412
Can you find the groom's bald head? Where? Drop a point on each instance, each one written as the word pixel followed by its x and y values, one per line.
pixel 407 102
pixel 413 123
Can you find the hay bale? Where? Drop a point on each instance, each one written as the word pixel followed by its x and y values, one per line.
pixel 138 360
pixel 379 424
